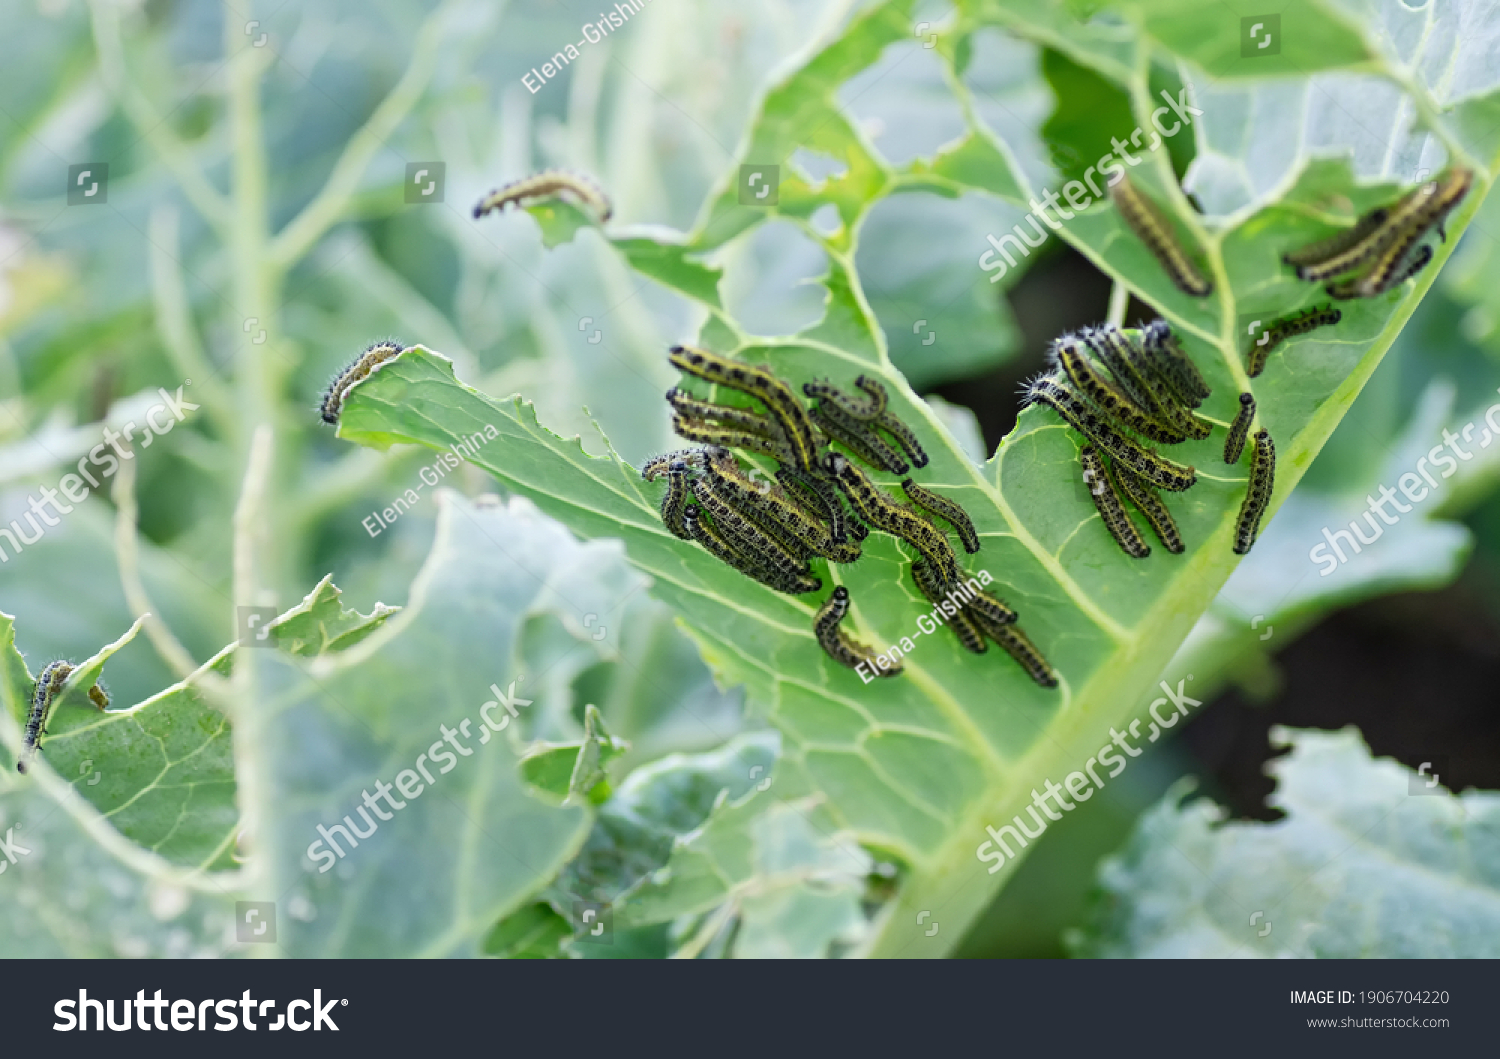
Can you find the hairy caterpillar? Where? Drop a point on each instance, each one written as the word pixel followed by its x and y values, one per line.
pixel 1143 218
pixel 945 509
pixel 1140 379
pixel 358 370
pixel 659 465
pixel 1161 473
pixel 1258 492
pixel 1149 503
pixel 879 510
pixel 777 511
pixel 674 500
pixel 1111 509
pixel 689 407
pixel 1298 323
pixel 43 696
pixel 546 184
pixel 865 410
pixel 824 494
pixel 1018 646
pixel 796 428
pixel 859 438
pixel 1111 401
pixel 711 434
pixel 1239 430
pixel 1173 366
pixel 827 626
pixel 1394 267
pixel 969 635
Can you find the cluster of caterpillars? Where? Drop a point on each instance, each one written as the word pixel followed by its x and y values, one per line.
pixel 1383 249
pixel 1125 392
pixel 820 504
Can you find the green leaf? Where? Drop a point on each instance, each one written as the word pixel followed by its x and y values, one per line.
pixel 1370 861
pixel 161 772
pixel 573 771
pixel 321 623
pixel 536 932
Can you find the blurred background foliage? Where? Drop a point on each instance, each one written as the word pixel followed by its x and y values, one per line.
pixel 101 305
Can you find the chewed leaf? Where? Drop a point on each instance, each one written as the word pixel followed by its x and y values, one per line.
pixel 321 623
pixel 1416 875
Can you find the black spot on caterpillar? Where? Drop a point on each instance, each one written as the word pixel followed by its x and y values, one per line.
pixel 1335 245
pixel 674 500
pixel 859 438
pixel 358 370
pixel 791 417
pixel 1239 430
pixel 1111 510
pixel 1298 323
pixel 1151 226
pixel 546 184
pixel 827 626
pixel 1258 492
pixel 43 696
pixel 1172 365
pixel 659 465
pixel 1152 508
pixel 963 626
pixel 945 509
pixel 1018 646
pixel 1164 474
pixel 1141 378
pixel 824 496
pixel 878 509
pixel 720 547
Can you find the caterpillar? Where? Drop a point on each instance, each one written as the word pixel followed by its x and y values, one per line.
pixel 1111 509
pixel 1164 474
pixel 1108 399
pixel 752 540
pixel 358 370
pixel 546 184
pixel 1149 503
pixel 1394 267
pixel 1257 494
pixel 43 697
pixel 1239 430
pixel 690 407
pixel 659 465
pixel 827 626
pixel 712 434
pixel 1016 644
pixel 864 410
pixel 1327 249
pixel 674 500
pixel 969 635
pixel 1298 323
pixel 1173 366
pixel 717 545
pixel 859 438
pixel 1142 217
pixel 796 428
pixel 905 437
pixel 879 510
pixel 945 509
